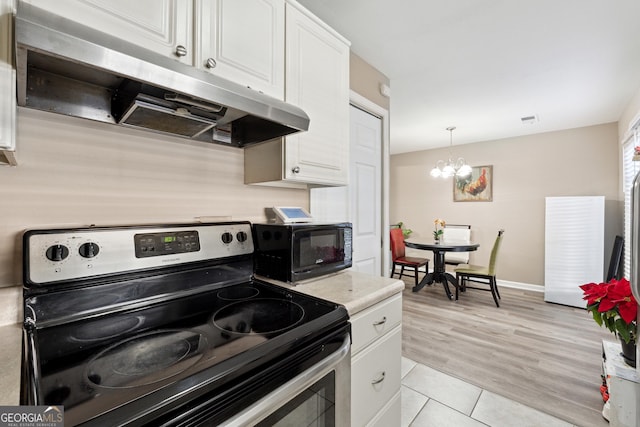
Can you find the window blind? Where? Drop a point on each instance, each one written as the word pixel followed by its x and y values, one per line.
pixel 629 171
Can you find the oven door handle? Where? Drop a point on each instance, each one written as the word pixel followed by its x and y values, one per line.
pixel 32 358
pixel 265 406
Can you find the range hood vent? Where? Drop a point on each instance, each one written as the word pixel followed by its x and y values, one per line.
pixel 67 68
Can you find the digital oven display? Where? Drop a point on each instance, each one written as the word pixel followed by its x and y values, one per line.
pixel 156 244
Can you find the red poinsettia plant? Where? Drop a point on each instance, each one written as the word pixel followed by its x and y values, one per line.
pixel 614 306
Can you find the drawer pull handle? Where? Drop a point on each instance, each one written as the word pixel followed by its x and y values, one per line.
pixel 379 380
pixel 380 322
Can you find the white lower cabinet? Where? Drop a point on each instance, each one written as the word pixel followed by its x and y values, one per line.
pixel 375 364
pixel 390 415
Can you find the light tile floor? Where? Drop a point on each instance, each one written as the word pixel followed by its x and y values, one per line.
pixel 431 398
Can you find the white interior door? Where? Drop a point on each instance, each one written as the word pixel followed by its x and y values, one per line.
pixel 366 190
pixel 361 201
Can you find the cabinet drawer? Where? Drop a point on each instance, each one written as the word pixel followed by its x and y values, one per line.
pixel 375 377
pixel 375 321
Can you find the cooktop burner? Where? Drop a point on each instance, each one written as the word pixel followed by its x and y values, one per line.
pixel 238 293
pixel 113 329
pixel 261 316
pixel 146 359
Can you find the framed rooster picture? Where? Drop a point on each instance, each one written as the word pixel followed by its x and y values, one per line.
pixel 477 187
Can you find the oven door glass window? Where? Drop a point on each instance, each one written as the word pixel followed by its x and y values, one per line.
pixel 315 406
pixel 315 249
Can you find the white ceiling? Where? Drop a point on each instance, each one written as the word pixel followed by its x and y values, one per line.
pixel 481 65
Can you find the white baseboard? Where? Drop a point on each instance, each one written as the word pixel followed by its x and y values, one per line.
pixel 520 285
pixel 504 283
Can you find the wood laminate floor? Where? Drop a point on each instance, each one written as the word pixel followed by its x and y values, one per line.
pixel 546 356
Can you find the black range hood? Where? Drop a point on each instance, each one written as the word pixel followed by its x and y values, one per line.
pixel 67 68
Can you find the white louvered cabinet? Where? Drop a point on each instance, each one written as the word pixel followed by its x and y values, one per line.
pixel 574 247
pixel 376 354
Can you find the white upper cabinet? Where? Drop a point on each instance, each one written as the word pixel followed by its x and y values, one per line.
pixel 7 86
pixel 317 80
pixel 163 26
pixel 273 46
pixel 243 41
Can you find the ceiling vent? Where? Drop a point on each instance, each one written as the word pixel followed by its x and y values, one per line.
pixel 529 120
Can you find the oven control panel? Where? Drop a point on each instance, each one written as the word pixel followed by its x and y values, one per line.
pixel 79 253
pixel 167 243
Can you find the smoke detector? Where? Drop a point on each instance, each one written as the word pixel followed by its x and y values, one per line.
pixel 529 120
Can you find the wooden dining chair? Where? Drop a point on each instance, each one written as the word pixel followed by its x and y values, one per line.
pixel 400 259
pixel 485 275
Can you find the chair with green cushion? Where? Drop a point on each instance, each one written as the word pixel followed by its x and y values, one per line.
pixel 485 275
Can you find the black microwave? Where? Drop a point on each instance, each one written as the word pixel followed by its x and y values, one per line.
pixel 295 252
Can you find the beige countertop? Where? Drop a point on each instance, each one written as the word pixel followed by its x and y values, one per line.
pixel 356 291
pixel 10 359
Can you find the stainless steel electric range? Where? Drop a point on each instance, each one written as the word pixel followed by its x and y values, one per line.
pixel 165 325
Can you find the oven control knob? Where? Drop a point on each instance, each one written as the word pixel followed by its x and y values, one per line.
pixel 227 237
pixel 89 250
pixel 57 252
pixel 241 236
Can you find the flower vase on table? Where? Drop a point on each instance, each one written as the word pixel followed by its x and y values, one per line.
pixel 437 232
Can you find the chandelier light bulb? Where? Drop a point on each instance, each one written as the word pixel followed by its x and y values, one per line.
pixel 464 171
pixel 448 169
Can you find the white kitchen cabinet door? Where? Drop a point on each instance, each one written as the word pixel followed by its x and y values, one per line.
pixel 317 80
pixel 243 41
pixel 158 25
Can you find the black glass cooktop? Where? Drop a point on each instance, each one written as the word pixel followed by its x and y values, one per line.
pixel 166 348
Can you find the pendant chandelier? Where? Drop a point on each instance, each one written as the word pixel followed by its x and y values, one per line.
pixel 447 169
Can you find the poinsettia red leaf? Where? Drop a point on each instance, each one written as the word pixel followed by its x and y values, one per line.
pixel 616 295
pixel 628 310
pixel 596 291
pixel 620 287
pixel 605 305
pixel 587 286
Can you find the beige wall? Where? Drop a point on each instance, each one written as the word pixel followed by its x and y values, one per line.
pixel 577 162
pixel 74 172
pixel 366 81
pixel 631 112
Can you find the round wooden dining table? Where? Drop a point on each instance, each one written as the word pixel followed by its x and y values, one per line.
pixel 439 273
